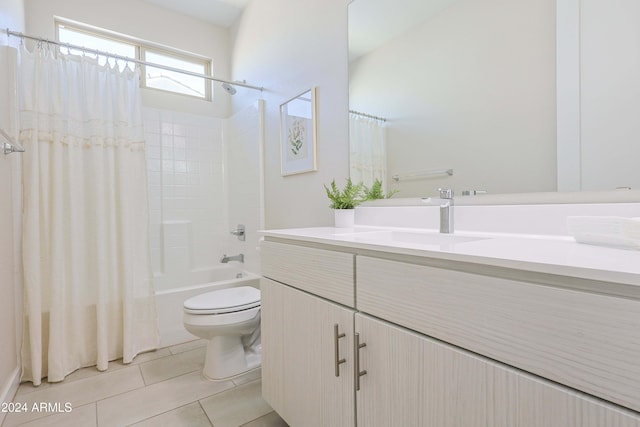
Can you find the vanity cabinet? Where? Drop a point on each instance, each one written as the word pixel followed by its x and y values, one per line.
pixel 438 347
pixel 413 380
pixel 300 354
pixel 588 341
pixel 307 341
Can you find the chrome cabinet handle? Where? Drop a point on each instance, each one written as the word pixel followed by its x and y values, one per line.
pixel 336 345
pixel 357 371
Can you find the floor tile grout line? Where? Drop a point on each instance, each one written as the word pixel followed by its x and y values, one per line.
pixel 66 380
pixel 124 366
pixel 163 413
pixel 53 385
pixel 166 357
pixel 205 411
pixel 233 384
pixel 257 418
pixel 159 382
pixel 198 401
pixel 121 393
pixel 203 344
pixel 169 378
pixel 144 380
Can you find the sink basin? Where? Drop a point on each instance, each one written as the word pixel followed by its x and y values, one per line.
pixel 412 238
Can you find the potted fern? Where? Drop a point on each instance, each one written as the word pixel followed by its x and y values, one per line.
pixel 344 201
pixel 376 192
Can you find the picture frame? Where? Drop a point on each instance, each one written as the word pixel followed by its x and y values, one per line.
pixel 298 131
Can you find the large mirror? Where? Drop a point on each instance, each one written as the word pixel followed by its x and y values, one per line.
pixel 494 96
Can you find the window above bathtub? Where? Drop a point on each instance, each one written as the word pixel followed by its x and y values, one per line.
pixel 129 47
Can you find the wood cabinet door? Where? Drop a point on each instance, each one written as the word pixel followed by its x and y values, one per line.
pixel 587 341
pixel 390 391
pixel 413 380
pixel 299 357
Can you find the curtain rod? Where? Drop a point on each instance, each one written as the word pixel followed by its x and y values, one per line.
pixel 368 116
pixel 124 58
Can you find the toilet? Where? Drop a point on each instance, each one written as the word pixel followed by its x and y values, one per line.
pixel 230 320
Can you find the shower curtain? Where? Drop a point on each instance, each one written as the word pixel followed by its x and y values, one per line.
pixel 368 150
pixel 88 291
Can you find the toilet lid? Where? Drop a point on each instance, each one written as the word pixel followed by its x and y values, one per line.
pixel 224 300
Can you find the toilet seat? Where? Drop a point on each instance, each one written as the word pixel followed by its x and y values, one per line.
pixel 228 300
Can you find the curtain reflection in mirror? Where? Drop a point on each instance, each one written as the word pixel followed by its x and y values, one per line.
pixel 368 148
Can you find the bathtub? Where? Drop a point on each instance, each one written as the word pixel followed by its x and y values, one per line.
pixel 169 302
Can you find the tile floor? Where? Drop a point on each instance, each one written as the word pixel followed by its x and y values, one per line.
pixel 160 388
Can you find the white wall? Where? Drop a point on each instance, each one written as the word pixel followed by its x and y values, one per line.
pixel 243 140
pixel 475 92
pixel 288 47
pixel 610 93
pixel 148 22
pixel 11 16
pixel 598 94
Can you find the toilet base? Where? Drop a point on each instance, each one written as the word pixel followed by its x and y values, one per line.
pixel 226 358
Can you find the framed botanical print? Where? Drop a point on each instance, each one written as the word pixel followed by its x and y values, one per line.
pixel 298 134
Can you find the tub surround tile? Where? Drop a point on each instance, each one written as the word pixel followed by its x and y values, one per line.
pixel 138 405
pixel 237 406
pixel 191 415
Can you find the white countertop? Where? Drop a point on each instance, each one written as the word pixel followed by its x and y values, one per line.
pixel 542 254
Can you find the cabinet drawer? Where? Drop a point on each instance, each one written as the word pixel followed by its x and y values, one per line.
pixel 328 274
pixel 587 341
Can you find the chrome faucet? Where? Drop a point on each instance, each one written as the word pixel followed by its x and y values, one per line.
pixel 446 210
pixel 225 259
pixel 239 232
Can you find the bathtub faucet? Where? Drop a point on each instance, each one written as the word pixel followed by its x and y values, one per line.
pixel 225 259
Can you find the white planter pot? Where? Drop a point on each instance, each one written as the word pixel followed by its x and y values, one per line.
pixel 344 218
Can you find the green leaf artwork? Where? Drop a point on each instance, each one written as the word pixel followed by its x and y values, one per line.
pixel 296 136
